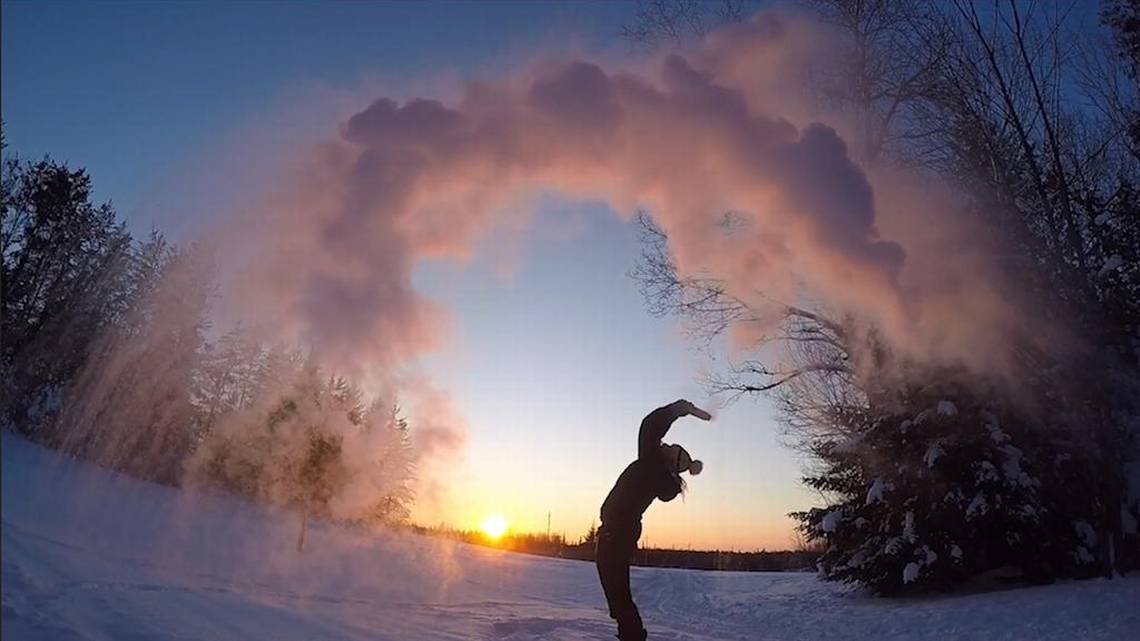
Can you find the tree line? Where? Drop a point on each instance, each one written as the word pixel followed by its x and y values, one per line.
pixel 557 546
pixel 930 474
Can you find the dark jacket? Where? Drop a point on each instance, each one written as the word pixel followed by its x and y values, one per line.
pixel 643 480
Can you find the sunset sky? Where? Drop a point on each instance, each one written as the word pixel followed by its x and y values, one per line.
pixel 551 357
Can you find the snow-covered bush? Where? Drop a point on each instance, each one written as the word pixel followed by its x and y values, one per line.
pixel 943 483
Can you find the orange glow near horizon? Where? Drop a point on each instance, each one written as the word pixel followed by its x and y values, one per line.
pixel 494 526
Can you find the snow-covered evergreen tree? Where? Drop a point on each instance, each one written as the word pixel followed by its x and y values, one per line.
pixel 943 483
pixel 229 375
pixel 65 279
pixel 313 445
pixel 129 407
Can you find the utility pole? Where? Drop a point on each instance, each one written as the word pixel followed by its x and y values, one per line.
pixel 548 526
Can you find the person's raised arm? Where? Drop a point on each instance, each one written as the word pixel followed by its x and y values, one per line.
pixel 657 424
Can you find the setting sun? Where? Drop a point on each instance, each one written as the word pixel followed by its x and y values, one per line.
pixel 494 526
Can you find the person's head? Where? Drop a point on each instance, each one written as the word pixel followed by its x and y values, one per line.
pixel 678 460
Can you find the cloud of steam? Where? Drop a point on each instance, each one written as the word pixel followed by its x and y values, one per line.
pixel 333 254
pixel 440 427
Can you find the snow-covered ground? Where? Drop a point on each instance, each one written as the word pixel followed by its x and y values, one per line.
pixel 92 555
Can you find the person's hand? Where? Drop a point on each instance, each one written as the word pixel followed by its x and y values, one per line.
pixel 688 408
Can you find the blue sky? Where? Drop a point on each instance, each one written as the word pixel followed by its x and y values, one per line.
pixel 553 358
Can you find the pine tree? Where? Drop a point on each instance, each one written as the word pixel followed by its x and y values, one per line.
pixel 130 405
pixel 310 443
pixel 944 482
pixel 65 278
pixel 227 379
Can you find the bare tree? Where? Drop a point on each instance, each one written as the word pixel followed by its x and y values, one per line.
pixel 807 357
pixel 887 52
pixel 672 23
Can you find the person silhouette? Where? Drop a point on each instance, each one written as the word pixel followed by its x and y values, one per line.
pixel 656 474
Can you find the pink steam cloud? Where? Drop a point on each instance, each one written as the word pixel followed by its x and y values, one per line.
pixel 335 251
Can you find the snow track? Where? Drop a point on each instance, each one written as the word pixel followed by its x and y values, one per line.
pixel 88 554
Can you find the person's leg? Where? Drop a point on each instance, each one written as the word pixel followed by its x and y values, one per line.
pixel 630 626
pixel 606 575
pixel 615 584
pixel 613 571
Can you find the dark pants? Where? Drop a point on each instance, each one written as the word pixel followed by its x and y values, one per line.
pixel 616 547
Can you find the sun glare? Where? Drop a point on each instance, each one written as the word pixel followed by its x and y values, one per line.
pixel 494 526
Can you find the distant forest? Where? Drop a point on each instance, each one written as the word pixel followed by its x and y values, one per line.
pixel 555 545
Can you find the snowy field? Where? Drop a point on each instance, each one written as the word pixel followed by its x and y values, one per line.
pixel 91 555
